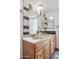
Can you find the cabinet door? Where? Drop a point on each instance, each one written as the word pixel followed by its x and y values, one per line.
pixel 28 50
pixel 46 52
pixel 53 44
pixel 39 55
pixel 53 40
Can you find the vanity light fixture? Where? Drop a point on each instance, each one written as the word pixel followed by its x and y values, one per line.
pixel 40 6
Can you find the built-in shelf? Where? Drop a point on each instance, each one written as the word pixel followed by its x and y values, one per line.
pixel 26 11
pixel 25 17
pixel 26 27
pixel 25 8
pixel 25 33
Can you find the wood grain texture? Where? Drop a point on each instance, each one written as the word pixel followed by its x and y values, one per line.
pixel 28 50
pixel 41 50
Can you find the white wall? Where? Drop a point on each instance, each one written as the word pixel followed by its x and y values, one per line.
pixel 21 18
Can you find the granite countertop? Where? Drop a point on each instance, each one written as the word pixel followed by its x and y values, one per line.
pixel 35 40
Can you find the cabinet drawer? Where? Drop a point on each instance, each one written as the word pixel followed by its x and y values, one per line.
pixel 53 41
pixel 39 55
pixel 42 44
pixel 52 48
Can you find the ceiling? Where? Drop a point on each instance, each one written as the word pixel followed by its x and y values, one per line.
pixel 49 5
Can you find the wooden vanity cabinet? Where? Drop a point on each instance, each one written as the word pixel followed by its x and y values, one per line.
pixel 41 50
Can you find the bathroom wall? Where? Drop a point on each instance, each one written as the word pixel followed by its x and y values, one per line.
pixel 21 18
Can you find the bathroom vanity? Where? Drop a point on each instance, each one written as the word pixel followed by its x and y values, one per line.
pixel 38 47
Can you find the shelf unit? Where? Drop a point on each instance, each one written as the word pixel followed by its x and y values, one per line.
pixel 25 17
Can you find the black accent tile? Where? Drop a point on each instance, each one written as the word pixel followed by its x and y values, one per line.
pixel 25 33
pixel 49 32
pixel 25 17
pixel 26 27
pixel 25 8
